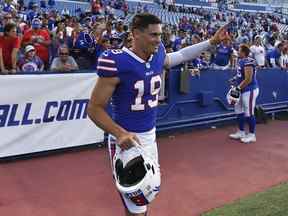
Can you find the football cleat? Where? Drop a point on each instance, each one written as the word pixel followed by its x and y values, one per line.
pixel 238 135
pixel 249 138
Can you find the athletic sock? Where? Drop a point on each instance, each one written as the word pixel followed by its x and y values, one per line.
pixel 241 121
pixel 252 123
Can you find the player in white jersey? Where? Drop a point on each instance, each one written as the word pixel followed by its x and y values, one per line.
pixel 131 77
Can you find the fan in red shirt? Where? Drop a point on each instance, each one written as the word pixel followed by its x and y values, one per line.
pixel 39 38
pixel 9 47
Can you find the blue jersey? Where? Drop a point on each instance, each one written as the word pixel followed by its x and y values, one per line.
pixel 273 55
pixel 241 73
pixel 223 55
pixel 135 99
pixel 177 44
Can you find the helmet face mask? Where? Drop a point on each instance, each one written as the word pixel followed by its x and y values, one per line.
pixel 139 179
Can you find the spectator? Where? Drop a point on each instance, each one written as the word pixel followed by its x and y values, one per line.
pixel 199 62
pixel 128 39
pixel 9 48
pixel 96 7
pixel 258 52
pixel 73 39
pixel 30 62
pixel 125 8
pixel 242 38
pixel 119 27
pixel 108 31
pixel 284 58
pixel 65 62
pixel 59 37
pixel 40 39
pixel 116 41
pixel 180 40
pixel 224 55
pixel 7 18
pixel 34 11
pixel 273 55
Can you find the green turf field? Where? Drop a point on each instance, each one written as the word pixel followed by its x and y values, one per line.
pixel 273 202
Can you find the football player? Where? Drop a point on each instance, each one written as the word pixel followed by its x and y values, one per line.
pixel 131 77
pixel 248 90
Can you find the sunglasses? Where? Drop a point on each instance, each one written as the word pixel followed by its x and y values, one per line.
pixel 63 54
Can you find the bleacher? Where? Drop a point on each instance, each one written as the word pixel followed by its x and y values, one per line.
pixel 195 3
pixel 251 7
pixel 283 28
pixel 72 6
pixel 171 18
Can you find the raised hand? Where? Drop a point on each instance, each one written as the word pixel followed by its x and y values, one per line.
pixel 220 35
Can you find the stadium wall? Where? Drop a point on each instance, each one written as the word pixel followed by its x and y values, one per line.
pixel 201 100
pixel 48 111
pixel 45 112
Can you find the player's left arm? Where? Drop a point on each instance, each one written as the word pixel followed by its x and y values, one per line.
pixel 191 52
pixel 248 71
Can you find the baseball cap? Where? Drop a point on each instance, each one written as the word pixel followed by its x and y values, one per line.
pixel 36 23
pixel 29 48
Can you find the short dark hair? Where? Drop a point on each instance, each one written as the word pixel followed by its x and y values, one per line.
pixel 8 27
pixel 245 48
pixel 141 21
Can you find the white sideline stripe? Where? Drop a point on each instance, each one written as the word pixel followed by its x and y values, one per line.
pixel 106 68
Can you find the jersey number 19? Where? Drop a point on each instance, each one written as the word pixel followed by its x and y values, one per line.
pixel 139 104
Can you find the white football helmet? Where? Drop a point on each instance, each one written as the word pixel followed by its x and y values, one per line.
pixel 137 177
pixel 233 96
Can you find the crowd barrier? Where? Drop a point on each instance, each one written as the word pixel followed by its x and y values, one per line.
pixel 201 100
pixel 45 112
pixel 48 111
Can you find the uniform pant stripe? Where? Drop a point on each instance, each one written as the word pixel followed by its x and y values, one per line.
pixel 251 103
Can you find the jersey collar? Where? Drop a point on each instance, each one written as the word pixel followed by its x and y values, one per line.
pixel 133 55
